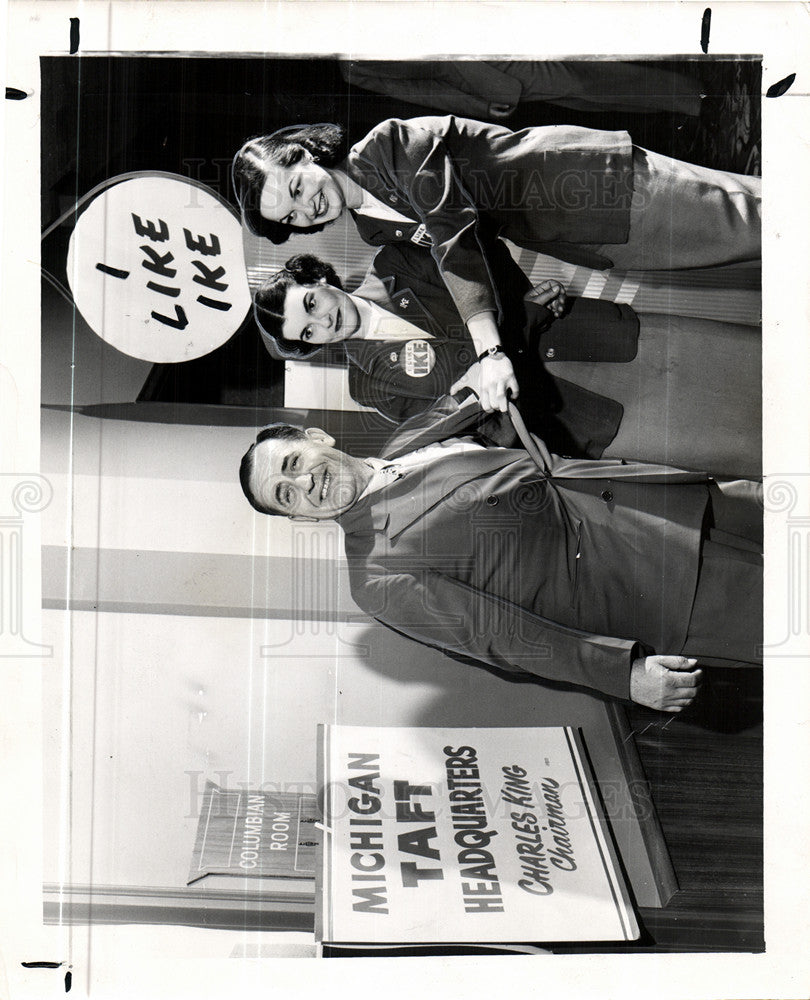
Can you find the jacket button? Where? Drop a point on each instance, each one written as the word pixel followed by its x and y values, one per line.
pixel 398 233
pixel 606 495
pixel 492 500
pixel 550 352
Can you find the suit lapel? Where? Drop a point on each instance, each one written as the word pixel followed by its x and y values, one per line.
pixel 445 419
pixel 381 232
pixel 415 495
pixel 401 301
pixel 397 506
pixel 405 302
pixel 373 231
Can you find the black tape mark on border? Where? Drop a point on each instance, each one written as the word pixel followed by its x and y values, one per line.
pixel 40 965
pixel 705 28
pixel 777 89
pixel 68 981
pixel 74 35
pixel 13 94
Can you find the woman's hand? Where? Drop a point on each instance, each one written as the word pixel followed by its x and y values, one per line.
pixel 492 377
pixel 550 294
pixel 492 380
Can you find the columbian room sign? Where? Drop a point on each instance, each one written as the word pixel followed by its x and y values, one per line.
pixel 243 832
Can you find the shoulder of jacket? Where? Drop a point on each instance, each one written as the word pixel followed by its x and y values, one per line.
pixel 411 131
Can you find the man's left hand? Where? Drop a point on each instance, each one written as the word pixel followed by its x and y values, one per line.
pixel 667 683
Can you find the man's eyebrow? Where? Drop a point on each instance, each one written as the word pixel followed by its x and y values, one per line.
pixel 284 463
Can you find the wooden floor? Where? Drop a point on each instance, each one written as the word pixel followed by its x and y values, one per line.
pixel 705 773
pixel 704 768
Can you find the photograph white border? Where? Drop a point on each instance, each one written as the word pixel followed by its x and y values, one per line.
pixel 380 28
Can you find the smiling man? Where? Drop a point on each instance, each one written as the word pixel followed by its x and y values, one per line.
pixel 580 573
pixel 301 474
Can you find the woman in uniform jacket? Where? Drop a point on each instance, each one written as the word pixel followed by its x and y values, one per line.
pixel 452 184
pixel 595 378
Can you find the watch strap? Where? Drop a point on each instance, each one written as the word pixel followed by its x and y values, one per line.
pixel 491 352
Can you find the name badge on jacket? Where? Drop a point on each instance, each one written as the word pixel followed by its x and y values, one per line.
pixel 421 236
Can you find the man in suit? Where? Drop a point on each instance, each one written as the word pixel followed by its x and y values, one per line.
pixel 602 574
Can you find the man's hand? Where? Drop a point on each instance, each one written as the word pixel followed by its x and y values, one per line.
pixel 492 380
pixel 550 294
pixel 667 683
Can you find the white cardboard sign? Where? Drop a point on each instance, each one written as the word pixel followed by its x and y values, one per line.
pixel 156 268
pixel 465 835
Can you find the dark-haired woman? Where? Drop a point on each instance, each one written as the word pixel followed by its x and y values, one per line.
pixel 595 377
pixel 452 185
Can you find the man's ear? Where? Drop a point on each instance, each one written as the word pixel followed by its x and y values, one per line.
pixel 316 434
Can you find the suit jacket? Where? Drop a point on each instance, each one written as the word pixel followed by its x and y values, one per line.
pixel 404 280
pixel 561 575
pixel 548 189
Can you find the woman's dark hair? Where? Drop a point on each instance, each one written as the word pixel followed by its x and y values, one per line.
pixel 268 302
pixel 326 144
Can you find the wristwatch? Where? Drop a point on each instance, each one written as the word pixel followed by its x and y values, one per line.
pixel 491 352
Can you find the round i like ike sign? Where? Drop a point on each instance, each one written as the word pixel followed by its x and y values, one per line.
pixel 156 268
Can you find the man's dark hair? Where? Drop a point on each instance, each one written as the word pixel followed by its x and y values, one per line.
pixel 326 144
pixel 269 299
pixel 279 432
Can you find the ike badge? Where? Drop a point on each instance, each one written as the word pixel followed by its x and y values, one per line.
pixel 417 358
